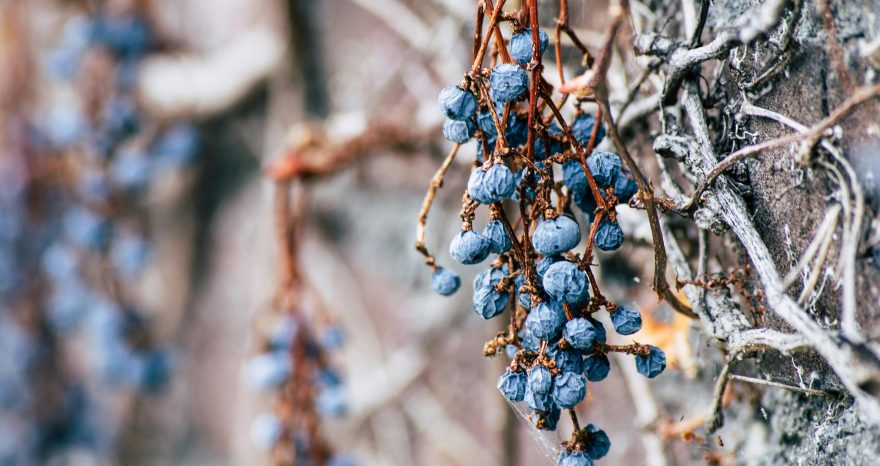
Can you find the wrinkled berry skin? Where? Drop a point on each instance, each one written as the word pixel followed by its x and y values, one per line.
pixel 529 341
pixel 580 334
pixel 538 388
pixel 605 167
pixel 517 130
pixel 512 385
pixel 457 103
pixel 625 187
pixel 596 367
pixel 545 321
pixel 569 389
pixel 497 234
pixel 507 82
pixel 564 281
pixel 574 458
pixel 653 364
pixel 492 185
pixel 488 302
pixel 573 176
pixel 626 320
pixel 542 265
pixel 556 236
pixel 459 131
pixel 598 442
pixel 582 129
pixel 609 236
pixel 469 247
pixel 521 45
pixel 568 361
pixel 445 282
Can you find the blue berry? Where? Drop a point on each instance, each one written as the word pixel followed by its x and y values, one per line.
pixel 596 367
pixel 521 45
pixel 554 143
pixel 605 167
pixel 574 458
pixel 124 35
pixel 564 281
pixel 487 123
pixel 512 385
pixel 600 330
pixel 492 185
pixel 178 145
pixel 469 247
pixel 556 236
pixel 582 129
pixel 653 364
pixel 156 372
pixel 488 302
pixel 598 443
pixel 507 82
pixel 331 402
pixel 511 350
pixel 609 236
pixel 445 282
pixel 332 337
pixel 529 341
pixel 85 228
pixel 538 388
pixel 266 431
pixel 457 103
pixel 268 370
pixel 580 334
pixel 517 130
pixel 568 361
pixel 550 416
pixel 545 320
pixel 459 131
pixel 573 176
pixel 625 187
pixel 497 234
pixel 569 389
pixel 542 265
pixel 626 320
pixel 131 170
pixel 490 142
pixel 129 254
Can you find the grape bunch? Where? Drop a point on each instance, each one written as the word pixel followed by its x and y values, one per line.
pixel 75 242
pixel 292 365
pixel 532 233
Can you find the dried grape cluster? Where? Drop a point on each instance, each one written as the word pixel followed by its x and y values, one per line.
pixel 292 363
pixel 75 239
pixel 554 341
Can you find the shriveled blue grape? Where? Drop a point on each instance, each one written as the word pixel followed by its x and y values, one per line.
pixel 580 334
pixel 596 367
pixel 605 167
pixel 568 361
pixel 538 388
pixel 492 185
pixel 598 443
pixel 625 187
pixel 569 389
pixel 457 103
pixel 488 302
pixel 574 458
pixel 582 129
pixel 469 247
pixel 626 320
pixel 565 282
pixel 521 48
pixel 545 320
pixel 507 82
pixel 497 234
pixel 555 236
pixel 653 364
pixel 512 385
pixel 445 282
pixel 459 131
pixel 609 235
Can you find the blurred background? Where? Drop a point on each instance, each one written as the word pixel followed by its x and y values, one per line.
pixel 138 246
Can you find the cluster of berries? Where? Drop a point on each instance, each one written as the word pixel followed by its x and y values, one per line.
pixel 293 364
pixel 75 238
pixel 555 344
